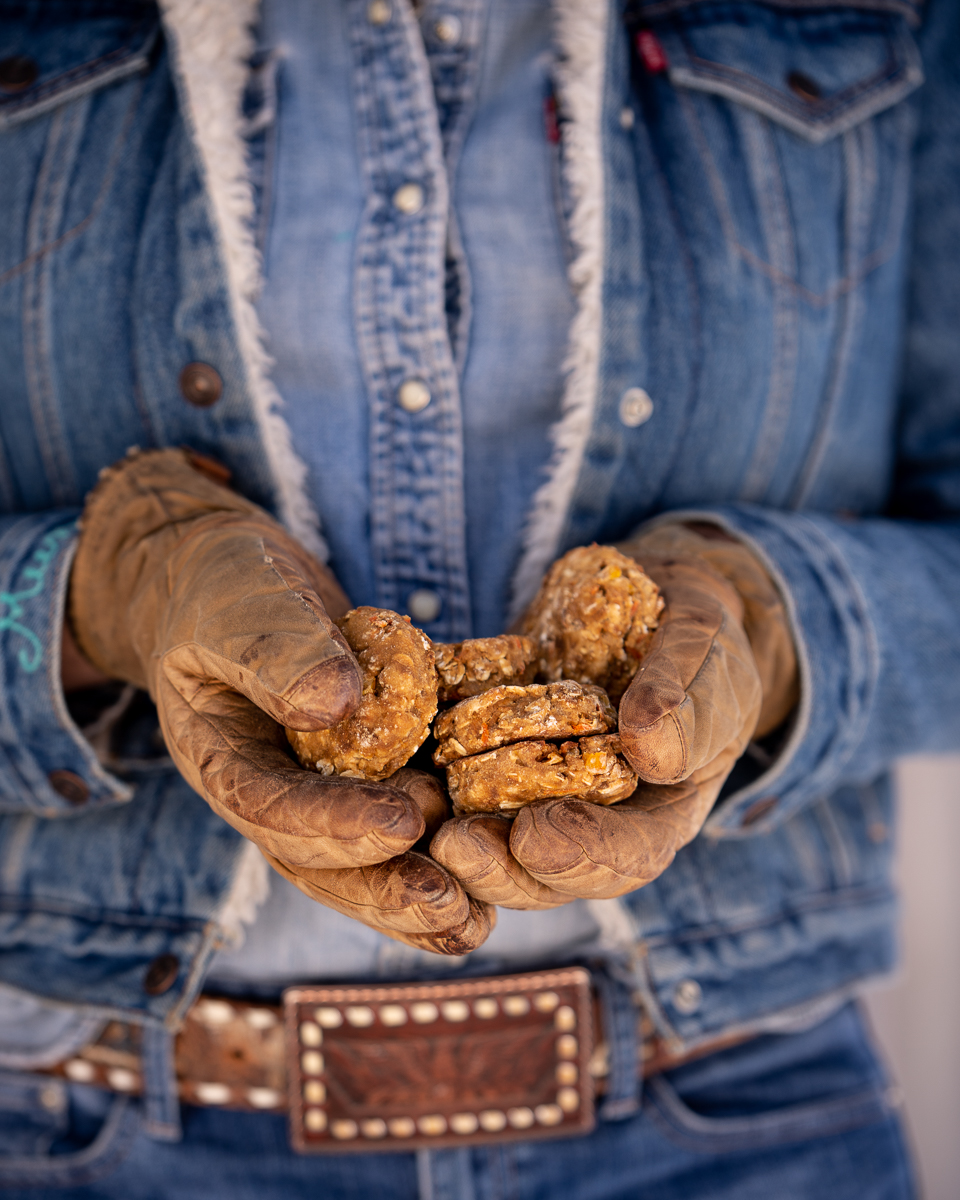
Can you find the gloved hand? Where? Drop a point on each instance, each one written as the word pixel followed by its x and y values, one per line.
pixel 721 669
pixel 182 587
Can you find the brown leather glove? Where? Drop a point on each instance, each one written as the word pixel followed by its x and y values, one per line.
pixel 184 588
pixel 721 669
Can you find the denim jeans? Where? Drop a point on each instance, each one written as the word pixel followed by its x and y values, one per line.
pixel 783 1116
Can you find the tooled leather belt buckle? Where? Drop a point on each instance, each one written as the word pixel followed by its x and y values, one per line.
pixel 503 1058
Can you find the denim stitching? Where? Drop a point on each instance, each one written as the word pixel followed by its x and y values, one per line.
pixel 103 1155
pixel 770 188
pixel 837 290
pixel 107 182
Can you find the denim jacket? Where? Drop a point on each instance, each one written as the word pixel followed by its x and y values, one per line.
pixel 760 205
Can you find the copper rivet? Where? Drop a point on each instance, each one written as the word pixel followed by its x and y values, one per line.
pixel 402 1127
pixel 17 73
pixel 549 1114
pixel 161 975
pixel 315 1120
pixel 200 384
pixel 803 86
pixel 492 1120
pixel 70 786
pixel 464 1123
pixel 328 1018
pixel 311 1034
pixel 520 1118
pixel 314 1092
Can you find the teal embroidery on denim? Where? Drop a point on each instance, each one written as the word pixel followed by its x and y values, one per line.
pixel 35 572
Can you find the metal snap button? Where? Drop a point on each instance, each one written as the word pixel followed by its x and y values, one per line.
pixel 161 975
pixel 448 29
pixel 687 996
pixel 17 73
pixel 627 117
pixel 413 395
pixel 200 384
pixel 424 605
pixel 803 86
pixel 70 786
pixel 379 12
pixel 408 199
pixel 636 407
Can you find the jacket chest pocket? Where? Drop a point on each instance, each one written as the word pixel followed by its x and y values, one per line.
pixel 796 117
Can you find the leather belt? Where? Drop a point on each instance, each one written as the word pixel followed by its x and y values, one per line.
pixel 390 1067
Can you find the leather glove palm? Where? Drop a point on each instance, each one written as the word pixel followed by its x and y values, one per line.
pixel 184 588
pixel 720 670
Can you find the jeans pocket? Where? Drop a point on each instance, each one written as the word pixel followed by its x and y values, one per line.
pixel 49 1137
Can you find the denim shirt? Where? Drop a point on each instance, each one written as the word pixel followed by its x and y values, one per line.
pixel 759 208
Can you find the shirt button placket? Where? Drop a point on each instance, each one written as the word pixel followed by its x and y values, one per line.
pixel 417 524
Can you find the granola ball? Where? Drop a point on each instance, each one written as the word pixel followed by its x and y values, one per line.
pixel 510 777
pixel 594 618
pixel 399 700
pixel 512 714
pixel 478 664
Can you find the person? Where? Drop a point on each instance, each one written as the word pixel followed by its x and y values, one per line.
pixel 429 294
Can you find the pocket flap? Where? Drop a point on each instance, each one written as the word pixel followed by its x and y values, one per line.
pixel 816 71
pixel 53 57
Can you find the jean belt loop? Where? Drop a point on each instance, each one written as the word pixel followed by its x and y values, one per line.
pixel 620 1021
pixel 161 1104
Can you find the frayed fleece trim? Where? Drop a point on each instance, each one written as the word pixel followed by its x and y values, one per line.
pixel 581 41
pixel 248 891
pixel 211 41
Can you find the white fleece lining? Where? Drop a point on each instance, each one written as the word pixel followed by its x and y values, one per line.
pixel 581 42
pixel 211 43
pixel 249 889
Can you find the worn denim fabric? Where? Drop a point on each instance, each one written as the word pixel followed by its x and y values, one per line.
pixel 795 1116
pixel 781 277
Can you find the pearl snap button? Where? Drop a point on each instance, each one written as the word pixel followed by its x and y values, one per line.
pixel 408 199
pixel 378 12
pixel 448 29
pixel 627 118
pixel 424 606
pixel 635 407
pixel 414 395
pixel 687 996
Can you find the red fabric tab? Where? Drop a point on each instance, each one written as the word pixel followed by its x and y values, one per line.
pixel 651 52
pixel 551 119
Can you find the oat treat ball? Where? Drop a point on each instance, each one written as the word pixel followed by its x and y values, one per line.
pixel 510 777
pixel 593 619
pixel 399 700
pixel 512 714
pixel 478 664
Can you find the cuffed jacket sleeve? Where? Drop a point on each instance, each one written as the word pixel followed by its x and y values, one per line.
pixel 46 765
pixel 875 602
